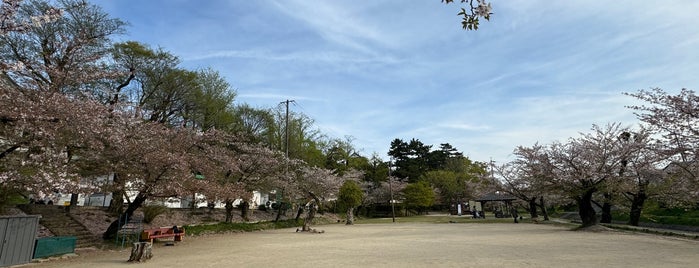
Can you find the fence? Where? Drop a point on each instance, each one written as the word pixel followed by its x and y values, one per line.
pixel 18 234
pixel 52 246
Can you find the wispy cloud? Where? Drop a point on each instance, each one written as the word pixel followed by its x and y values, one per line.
pixel 335 22
pixel 317 56
pixel 461 126
pixel 275 96
pixel 378 70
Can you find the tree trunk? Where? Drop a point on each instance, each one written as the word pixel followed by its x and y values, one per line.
pixel 542 205
pixel 141 252
pixel 637 206
pixel 532 208
pixel 280 204
pixel 607 209
pixel 350 216
pixel 116 225
pixel 116 205
pixel 229 210
pixel 73 202
pixel 299 212
pixel 279 213
pixel 587 213
pixel 244 210
pixel 312 208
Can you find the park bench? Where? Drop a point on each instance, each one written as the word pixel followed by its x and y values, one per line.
pixel 153 233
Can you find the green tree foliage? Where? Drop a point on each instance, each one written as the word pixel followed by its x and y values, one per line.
pixel 211 102
pixel 439 159
pixel 305 141
pixel 160 91
pixel 375 170
pixel 350 194
pixel 411 159
pixel 341 156
pixel 131 59
pixel 419 195
pixel 458 179
pixel 255 125
pixel 169 96
pixel 165 93
pixel 414 159
pixel 453 175
pixel 451 188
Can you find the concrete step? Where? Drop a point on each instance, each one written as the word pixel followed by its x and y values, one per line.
pixel 56 219
pixel 88 242
pixel 69 231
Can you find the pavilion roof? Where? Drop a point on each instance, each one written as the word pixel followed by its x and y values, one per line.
pixel 496 196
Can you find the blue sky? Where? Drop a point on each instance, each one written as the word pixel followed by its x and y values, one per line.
pixel 377 70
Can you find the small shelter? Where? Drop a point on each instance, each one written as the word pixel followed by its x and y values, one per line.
pixel 497 199
pixel 17 239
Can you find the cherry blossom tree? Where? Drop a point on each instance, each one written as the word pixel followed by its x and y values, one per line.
pixel 10 22
pixel 257 169
pixel 75 107
pixel 162 162
pixel 634 156
pixel 60 51
pixel 314 185
pixel 585 166
pixel 45 137
pixel 676 119
pixel 153 166
pixel 50 50
pixel 473 12
pixel 642 176
pixel 526 178
pixel 385 191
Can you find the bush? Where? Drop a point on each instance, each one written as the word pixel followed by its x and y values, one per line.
pixel 150 212
pixel 10 197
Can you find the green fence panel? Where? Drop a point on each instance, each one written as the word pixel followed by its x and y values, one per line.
pixel 52 246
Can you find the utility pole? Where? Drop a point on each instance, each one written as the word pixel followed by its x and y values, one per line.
pixel 390 189
pixel 286 153
pixel 286 127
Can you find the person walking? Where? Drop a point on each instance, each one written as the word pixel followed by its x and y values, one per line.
pixel 513 211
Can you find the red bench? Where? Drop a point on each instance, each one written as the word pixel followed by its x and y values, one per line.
pixel 151 234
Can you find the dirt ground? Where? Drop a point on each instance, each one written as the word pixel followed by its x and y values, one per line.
pixel 411 245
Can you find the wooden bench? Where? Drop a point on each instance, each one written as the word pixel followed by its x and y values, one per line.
pixel 151 234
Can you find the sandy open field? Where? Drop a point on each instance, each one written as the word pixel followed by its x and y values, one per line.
pixel 412 245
